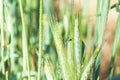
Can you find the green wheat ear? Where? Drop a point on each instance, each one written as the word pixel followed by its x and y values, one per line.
pixel 60 50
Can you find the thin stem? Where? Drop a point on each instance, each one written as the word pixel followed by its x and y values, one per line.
pixel 40 40
pixel 2 35
pixel 24 44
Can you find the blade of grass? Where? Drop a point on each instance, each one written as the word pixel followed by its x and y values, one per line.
pixel 24 44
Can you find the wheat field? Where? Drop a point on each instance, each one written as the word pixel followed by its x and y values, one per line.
pixel 59 40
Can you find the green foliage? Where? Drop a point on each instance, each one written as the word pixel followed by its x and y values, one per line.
pixel 40 41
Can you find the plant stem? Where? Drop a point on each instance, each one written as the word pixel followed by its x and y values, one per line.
pixel 24 44
pixel 40 39
pixel 103 19
pixel 6 75
pixel 2 35
pixel 115 43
